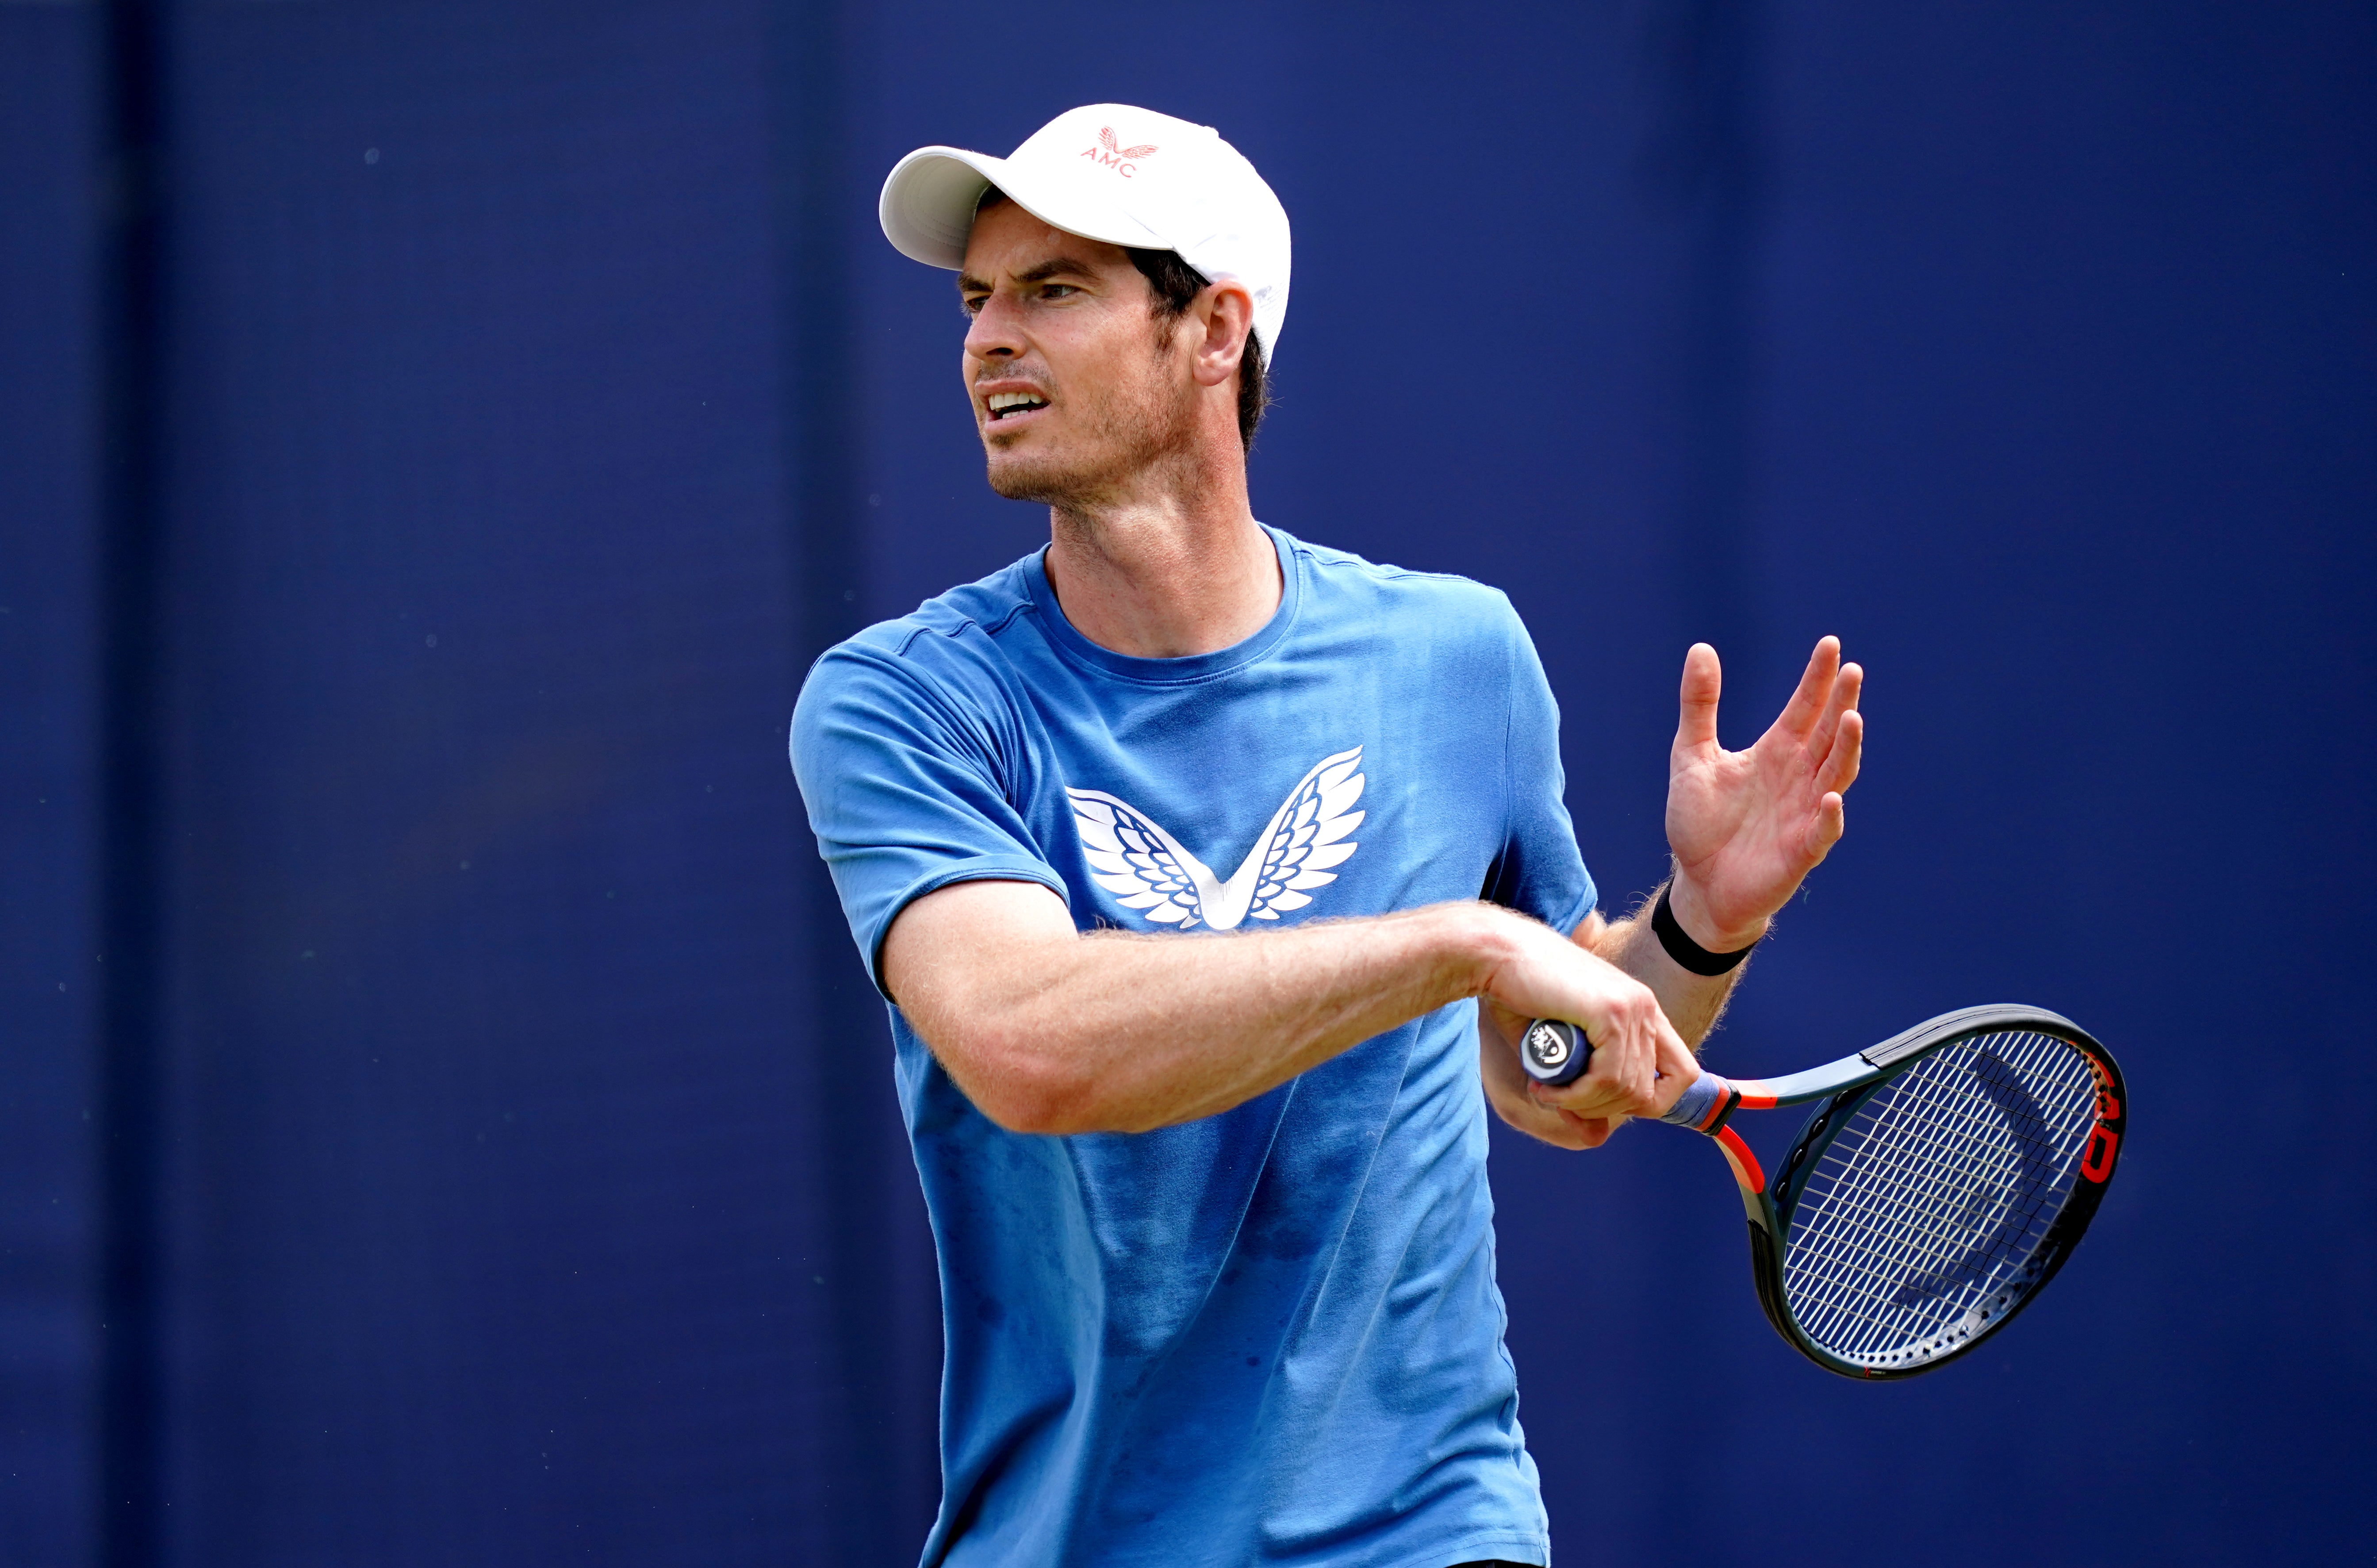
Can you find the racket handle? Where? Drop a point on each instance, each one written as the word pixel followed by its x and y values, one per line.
pixel 1554 1051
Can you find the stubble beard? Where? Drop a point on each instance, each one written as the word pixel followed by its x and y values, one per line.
pixel 1116 439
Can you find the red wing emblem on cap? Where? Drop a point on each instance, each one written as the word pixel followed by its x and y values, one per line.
pixel 1105 135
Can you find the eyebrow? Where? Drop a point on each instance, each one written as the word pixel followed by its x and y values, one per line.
pixel 1054 267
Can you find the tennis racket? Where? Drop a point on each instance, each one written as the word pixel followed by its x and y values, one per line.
pixel 1945 1177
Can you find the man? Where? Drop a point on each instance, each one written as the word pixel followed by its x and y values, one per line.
pixel 1204 1146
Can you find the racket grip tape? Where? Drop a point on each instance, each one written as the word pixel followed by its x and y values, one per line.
pixel 1554 1052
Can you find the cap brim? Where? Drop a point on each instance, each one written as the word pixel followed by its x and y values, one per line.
pixel 929 200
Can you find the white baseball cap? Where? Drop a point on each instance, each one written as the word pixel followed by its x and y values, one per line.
pixel 1128 176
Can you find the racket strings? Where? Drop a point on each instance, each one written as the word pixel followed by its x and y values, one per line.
pixel 1932 1202
pixel 1942 1178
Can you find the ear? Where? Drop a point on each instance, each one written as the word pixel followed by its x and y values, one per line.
pixel 1223 318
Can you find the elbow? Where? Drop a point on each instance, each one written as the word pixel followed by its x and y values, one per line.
pixel 1025 1084
pixel 1045 1108
pixel 1047 1116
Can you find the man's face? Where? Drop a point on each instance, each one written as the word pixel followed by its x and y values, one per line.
pixel 1076 386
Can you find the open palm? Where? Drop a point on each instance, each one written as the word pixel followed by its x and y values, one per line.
pixel 1746 826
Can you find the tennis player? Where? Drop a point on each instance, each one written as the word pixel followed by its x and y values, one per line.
pixel 1185 851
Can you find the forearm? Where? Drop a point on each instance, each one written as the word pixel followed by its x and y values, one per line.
pixel 1692 1002
pixel 1051 1031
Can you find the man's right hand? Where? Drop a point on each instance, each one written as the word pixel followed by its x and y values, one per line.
pixel 1640 1064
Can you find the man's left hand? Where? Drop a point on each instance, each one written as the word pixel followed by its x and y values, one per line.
pixel 1746 826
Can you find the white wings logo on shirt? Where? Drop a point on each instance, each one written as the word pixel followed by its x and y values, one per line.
pixel 1148 869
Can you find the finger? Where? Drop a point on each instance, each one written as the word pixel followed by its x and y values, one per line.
pixel 1565 1109
pixel 1571 1131
pixel 1620 1079
pixel 1637 1079
pixel 1696 719
pixel 1512 1094
pixel 1591 1132
pixel 1550 1124
pixel 1806 704
pixel 1840 768
pixel 1638 1076
pixel 1830 822
pixel 1647 1088
pixel 1842 701
pixel 1603 1087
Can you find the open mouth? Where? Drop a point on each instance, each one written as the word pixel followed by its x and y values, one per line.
pixel 1003 404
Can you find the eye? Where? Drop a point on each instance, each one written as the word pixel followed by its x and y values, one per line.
pixel 1058 291
pixel 971 304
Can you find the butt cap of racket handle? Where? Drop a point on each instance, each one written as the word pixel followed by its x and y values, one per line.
pixel 1554 1052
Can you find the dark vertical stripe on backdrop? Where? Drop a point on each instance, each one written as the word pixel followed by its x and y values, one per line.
pixel 133 775
pixel 887 1465
pixel 821 400
pixel 1700 171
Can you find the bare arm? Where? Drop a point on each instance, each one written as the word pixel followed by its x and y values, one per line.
pixel 1049 1030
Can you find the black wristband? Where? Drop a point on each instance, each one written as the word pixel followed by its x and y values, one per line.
pixel 1688 953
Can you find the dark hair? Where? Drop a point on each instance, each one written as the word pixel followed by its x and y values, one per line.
pixel 1177 285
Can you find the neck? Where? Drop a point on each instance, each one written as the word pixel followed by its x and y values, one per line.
pixel 1176 570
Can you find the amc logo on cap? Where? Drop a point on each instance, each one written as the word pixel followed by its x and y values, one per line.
pixel 1108 154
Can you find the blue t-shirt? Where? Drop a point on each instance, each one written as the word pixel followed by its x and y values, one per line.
pixel 1274 1334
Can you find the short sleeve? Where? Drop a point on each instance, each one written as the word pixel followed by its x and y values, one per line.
pixel 1539 870
pixel 902 785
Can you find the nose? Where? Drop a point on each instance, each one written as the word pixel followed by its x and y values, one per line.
pixel 993 334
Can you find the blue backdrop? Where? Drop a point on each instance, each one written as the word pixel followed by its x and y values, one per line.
pixel 442 1119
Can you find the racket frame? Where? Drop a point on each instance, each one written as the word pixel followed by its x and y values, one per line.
pixel 1844 1086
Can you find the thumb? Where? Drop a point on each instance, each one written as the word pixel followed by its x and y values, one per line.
pixel 1696 718
pixel 1678 1069
pixel 1591 1131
